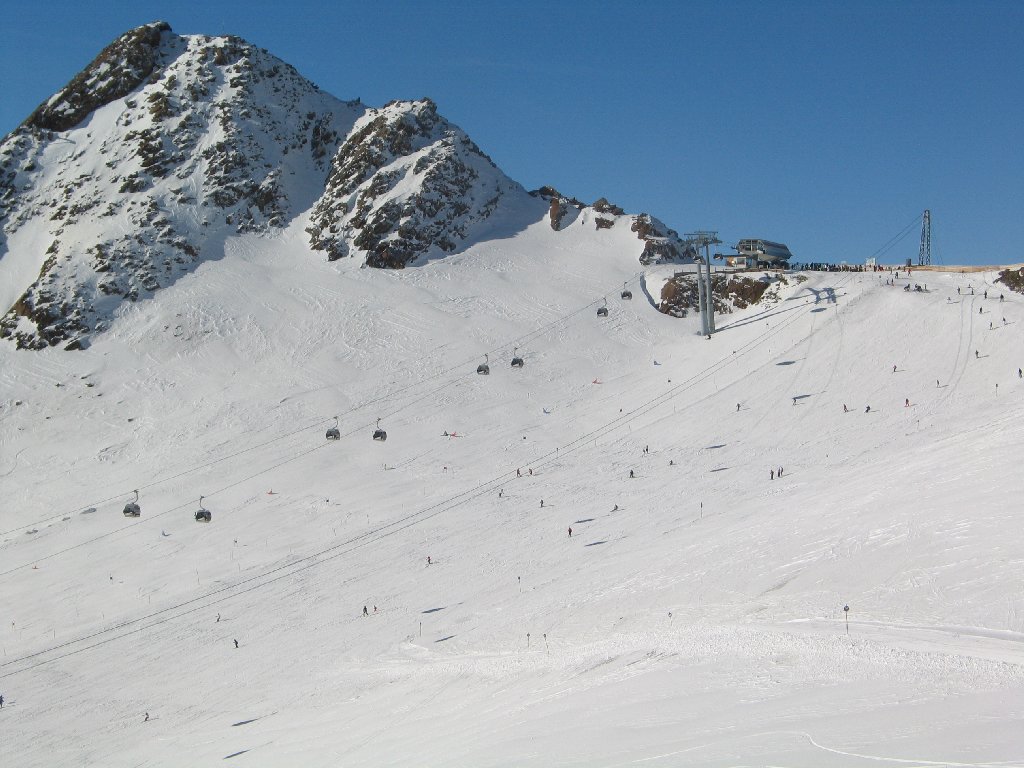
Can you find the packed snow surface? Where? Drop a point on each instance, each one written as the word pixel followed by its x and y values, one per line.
pixel 695 616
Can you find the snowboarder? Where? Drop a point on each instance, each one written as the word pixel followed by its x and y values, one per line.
pixel 631 475
pixel 615 508
pixel 365 612
pixel 794 401
pixel 868 409
pixel 671 462
pixel 236 643
pixel 146 719
pixel 428 560
pixel 570 531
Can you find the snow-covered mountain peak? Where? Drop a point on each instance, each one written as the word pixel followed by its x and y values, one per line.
pixel 138 169
pixel 119 69
pixel 406 183
pixel 166 145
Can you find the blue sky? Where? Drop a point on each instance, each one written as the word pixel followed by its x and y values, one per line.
pixel 827 126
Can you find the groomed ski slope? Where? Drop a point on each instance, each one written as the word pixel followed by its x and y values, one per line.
pixel 699 624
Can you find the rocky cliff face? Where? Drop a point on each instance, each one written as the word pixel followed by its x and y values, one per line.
pixel 403 184
pixel 165 145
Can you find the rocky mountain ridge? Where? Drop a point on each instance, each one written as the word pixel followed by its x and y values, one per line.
pixel 166 144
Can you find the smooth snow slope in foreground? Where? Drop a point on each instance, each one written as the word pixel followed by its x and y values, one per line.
pixel 699 624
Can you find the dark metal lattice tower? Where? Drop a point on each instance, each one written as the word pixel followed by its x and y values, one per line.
pixel 924 256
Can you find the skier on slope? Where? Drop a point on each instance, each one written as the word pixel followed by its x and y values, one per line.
pixel 631 473
pixel 365 612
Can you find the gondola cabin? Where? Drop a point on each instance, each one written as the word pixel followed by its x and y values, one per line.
pixel 132 508
pixel 202 514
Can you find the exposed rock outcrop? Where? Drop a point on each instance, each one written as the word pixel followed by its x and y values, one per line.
pixel 728 293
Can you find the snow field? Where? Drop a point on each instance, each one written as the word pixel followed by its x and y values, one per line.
pixel 699 624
